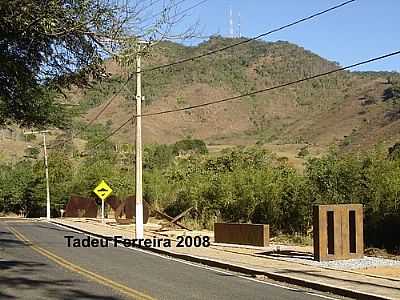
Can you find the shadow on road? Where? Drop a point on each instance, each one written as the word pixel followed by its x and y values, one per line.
pixel 6 296
pixel 26 266
pixel 22 276
pixel 78 294
pixel 10 243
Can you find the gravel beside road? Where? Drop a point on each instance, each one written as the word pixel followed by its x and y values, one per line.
pixel 349 264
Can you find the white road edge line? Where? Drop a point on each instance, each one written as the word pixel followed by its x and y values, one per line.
pixel 201 266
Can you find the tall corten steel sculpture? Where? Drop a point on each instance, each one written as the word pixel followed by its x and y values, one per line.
pixel 338 231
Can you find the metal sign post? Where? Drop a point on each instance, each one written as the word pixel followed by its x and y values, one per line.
pixel 102 191
pixel 102 211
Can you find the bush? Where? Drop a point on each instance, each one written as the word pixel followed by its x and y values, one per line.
pixel 392 93
pixel 303 152
pixel 371 179
pixel 191 146
pixel 157 156
pixel 235 185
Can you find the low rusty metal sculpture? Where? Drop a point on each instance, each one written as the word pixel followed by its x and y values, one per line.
pixel 173 221
pixel 124 210
pixel 114 202
pixel 242 234
pixel 81 207
pixel 128 208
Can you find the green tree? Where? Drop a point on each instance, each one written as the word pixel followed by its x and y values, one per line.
pixel 46 45
pixel 61 173
pixel 18 184
pixel 190 146
pixel 157 156
pixel 392 93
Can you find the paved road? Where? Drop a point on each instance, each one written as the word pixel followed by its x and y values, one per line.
pixel 27 274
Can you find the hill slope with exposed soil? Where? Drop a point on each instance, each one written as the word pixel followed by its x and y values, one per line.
pixel 346 108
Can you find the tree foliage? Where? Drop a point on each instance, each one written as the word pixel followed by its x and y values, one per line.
pixel 392 93
pixel 43 43
pixel 47 45
pixel 235 185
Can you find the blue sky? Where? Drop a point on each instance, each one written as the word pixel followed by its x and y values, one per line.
pixel 358 31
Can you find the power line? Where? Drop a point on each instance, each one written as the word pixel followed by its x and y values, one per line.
pixel 164 10
pixel 113 132
pixel 249 94
pixel 220 50
pixel 143 9
pixel 190 8
pixel 122 87
pixel 248 40
pixel 271 88
pixel 211 53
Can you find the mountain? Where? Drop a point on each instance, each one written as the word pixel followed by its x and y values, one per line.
pixel 345 108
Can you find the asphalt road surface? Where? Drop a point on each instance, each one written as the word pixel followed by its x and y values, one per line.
pixel 45 268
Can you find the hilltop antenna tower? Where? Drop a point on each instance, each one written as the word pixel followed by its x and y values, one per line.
pixel 231 32
pixel 239 24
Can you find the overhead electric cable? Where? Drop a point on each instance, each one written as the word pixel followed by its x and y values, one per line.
pixel 245 41
pixel 210 53
pixel 269 89
pixel 220 50
pixel 113 132
pixel 143 9
pixel 127 80
pixel 165 9
pixel 248 94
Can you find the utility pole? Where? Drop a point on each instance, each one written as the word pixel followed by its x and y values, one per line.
pixel 139 172
pixel 43 132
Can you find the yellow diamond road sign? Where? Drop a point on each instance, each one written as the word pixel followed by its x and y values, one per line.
pixel 103 190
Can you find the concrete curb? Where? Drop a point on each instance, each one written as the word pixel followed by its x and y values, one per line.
pixel 331 269
pixel 270 257
pixel 251 271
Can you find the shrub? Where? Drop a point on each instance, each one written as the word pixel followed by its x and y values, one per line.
pixel 189 145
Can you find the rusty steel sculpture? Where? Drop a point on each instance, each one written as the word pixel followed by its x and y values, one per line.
pixel 124 210
pixel 128 208
pixel 114 202
pixel 242 234
pixel 81 207
pixel 338 232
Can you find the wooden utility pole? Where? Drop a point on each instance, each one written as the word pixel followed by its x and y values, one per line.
pixel 43 132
